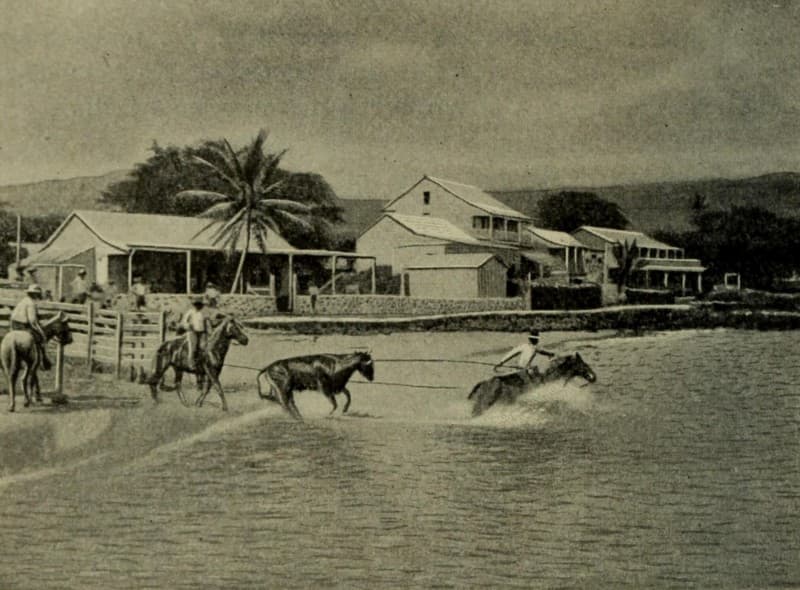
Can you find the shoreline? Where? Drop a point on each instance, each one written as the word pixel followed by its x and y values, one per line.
pixel 636 318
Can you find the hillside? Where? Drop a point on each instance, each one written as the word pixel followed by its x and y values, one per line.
pixel 667 205
pixel 57 196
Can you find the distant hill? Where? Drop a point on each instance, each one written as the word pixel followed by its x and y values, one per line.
pixel 667 205
pixel 651 206
pixel 58 196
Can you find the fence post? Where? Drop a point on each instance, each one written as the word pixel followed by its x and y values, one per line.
pixel 118 340
pixel 60 369
pixel 162 326
pixel 90 334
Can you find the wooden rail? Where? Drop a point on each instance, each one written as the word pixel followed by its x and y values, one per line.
pixel 123 341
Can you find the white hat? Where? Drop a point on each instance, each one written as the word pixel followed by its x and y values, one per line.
pixel 34 290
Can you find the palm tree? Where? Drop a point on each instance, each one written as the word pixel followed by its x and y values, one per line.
pixel 246 211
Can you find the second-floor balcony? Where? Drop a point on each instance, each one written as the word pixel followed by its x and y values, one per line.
pixel 501 235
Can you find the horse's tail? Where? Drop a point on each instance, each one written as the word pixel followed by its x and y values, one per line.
pixel 474 390
pixel 263 377
pixel 157 366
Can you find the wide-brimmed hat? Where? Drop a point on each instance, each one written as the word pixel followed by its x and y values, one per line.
pixel 209 284
pixel 34 290
pixel 198 300
pixel 82 271
pixel 533 334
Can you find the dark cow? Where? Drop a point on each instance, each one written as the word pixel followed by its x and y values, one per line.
pixel 327 373
pixel 507 388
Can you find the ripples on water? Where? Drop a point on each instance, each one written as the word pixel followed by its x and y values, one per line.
pixel 679 468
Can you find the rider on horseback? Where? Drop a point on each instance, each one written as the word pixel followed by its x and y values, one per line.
pixel 196 326
pixel 26 317
pixel 525 354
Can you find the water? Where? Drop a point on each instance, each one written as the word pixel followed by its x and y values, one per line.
pixel 680 468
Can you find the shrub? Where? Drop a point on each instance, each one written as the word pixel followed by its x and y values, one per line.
pixel 566 296
pixel 649 296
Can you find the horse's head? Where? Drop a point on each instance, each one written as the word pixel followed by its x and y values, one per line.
pixel 235 331
pixel 575 366
pixel 366 366
pixel 58 328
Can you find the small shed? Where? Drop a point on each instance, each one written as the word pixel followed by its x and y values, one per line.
pixel 457 276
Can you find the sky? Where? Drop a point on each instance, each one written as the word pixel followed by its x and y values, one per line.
pixel 372 95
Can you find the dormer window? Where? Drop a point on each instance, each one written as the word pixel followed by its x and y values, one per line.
pixel 426 198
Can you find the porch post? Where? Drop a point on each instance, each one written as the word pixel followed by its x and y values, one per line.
pixel 699 283
pixel 566 260
pixel 372 277
pixel 683 283
pixel 130 269
pixel 60 279
pixel 491 227
pixel 290 286
pixel 188 272
pixel 402 282
pixel 333 275
pixel 666 279
pixel 647 279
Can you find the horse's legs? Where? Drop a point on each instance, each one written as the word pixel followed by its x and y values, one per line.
pixel 347 403
pixel 13 373
pixel 286 399
pixel 26 384
pixel 179 386
pixel 203 393
pixel 159 367
pixel 215 380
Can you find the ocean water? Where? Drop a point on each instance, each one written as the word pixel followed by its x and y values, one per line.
pixel 679 468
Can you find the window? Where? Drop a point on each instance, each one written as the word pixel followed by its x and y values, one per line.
pixel 513 226
pixel 479 222
pixel 426 198
pixel 497 223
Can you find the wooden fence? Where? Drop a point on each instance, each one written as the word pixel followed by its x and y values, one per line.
pixel 120 340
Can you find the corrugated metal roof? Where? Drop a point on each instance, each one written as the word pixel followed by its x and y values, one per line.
pixel 131 230
pixel 433 227
pixel 620 236
pixel 475 260
pixel 558 238
pixel 477 197
pixel 53 256
pixel 543 258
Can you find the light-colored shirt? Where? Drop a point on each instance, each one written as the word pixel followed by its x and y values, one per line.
pixel 212 294
pixel 525 353
pixel 139 289
pixel 194 320
pixel 25 312
pixel 79 286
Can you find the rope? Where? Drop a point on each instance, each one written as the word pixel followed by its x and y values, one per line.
pixel 435 361
pixel 412 385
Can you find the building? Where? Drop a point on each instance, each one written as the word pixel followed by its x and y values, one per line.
pixel 443 217
pixel 457 276
pixel 557 253
pixel 467 207
pixel 172 254
pixel 653 263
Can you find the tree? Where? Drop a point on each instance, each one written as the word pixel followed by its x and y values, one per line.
pixel 248 208
pixel 626 254
pixel 153 184
pixel 568 210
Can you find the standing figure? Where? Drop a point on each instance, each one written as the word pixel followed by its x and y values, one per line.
pixel 212 295
pixel 525 355
pixel 26 317
pixel 139 290
pixel 195 323
pixel 313 292
pixel 79 288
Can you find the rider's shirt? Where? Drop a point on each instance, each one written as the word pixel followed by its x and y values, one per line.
pixel 525 352
pixel 195 320
pixel 25 312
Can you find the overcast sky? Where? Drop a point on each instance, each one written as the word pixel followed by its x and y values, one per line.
pixel 374 94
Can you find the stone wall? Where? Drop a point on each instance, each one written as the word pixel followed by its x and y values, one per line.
pixel 394 305
pixel 240 306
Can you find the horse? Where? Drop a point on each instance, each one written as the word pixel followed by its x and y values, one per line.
pixel 507 388
pixel 18 347
pixel 175 353
pixel 327 373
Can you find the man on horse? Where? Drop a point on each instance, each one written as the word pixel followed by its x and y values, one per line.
pixel 525 355
pixel 26 317
pixel 196 326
